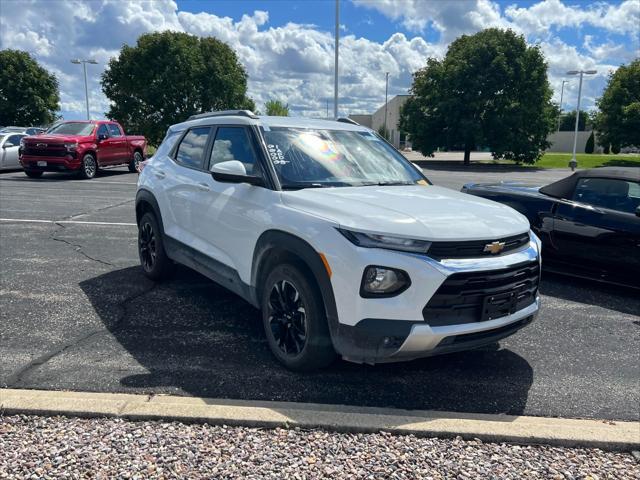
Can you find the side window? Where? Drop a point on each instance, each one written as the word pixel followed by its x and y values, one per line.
pixel 614 194
pixel 234 143
pixel 114 130
pixel 103 130
pixel 191 149
pixel 15 139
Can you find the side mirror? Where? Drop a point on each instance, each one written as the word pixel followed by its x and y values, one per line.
pixel 102 136
pixel 8 144
pixel 233 171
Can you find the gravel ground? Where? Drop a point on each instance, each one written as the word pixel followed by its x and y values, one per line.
pixel 58 447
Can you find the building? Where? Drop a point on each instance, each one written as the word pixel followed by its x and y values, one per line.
pixel 375 121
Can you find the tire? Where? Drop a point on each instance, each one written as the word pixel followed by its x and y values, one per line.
pixel 33 173
pixel 88 167
pixel 294 319
pixel 137 158
pixel 153 258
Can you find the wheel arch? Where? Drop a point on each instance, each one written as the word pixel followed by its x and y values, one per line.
pixel 274 247
pixel 146 202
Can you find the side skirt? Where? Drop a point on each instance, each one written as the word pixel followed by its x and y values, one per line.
pixel 210 268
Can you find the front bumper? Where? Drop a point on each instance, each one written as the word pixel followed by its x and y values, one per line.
pixel 67 163
pixel 388 339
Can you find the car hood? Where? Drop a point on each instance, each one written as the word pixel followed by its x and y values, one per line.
pixel 421 212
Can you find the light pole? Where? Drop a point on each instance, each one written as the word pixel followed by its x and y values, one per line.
pixel 335 66
pixel 386 95
pixel 573 163
pixel 78 61
pixel 561 97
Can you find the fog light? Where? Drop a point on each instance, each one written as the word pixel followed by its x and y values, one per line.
pixel 383 282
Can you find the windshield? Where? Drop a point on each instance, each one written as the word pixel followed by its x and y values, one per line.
pixel 72 128
pixel 336 158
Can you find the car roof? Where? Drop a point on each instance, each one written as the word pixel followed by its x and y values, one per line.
pixel 247 118
pixel 565 187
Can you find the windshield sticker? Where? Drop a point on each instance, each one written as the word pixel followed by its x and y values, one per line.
pixel 313 144
pixel 276 155
pixel 370 136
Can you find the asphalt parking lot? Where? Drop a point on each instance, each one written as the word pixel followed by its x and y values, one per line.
pixel 76 313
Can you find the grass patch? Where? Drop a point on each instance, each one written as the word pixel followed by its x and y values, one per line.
pixel 585 160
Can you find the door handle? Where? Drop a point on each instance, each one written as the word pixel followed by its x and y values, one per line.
pixel 159 174
pixel 203 187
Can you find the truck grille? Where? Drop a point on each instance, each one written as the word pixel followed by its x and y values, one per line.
pixel 474 248
pixel 460 299
pixel 48 151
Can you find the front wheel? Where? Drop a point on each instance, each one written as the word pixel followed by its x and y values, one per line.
pixel 89 167
pixel 294 319
pixel 133 165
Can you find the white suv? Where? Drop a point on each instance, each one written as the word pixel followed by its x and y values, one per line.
pixel 341 242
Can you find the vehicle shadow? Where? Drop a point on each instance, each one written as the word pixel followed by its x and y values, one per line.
pixel 612 297
pixel 56 176
pixel 193 337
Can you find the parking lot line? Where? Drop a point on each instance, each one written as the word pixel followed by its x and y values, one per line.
pixel 487 427
pixel 58 222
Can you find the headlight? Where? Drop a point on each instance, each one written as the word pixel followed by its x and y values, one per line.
pixel 71 147
pixel 383 282
pixel 372 240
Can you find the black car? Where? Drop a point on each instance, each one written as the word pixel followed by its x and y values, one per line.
pixel 589 222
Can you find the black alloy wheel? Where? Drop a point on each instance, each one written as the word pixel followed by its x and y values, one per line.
pixel 147 246
pixel 287 317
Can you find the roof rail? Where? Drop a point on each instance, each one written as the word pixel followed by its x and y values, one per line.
pixel 224 113
pixel 347 120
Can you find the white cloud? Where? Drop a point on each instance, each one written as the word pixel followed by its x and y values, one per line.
pixel 294 62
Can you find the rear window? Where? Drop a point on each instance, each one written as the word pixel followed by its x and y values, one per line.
pixel 191 150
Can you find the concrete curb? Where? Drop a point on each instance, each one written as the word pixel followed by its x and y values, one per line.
pixel 607 435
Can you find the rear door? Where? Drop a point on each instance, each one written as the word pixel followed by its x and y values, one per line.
pixel 598 229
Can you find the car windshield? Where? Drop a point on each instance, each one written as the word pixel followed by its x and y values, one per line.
pixel 72 128
pixel 336 158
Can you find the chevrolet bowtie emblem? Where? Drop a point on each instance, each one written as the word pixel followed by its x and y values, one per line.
pixel 494 247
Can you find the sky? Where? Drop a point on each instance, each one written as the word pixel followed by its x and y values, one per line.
pixel 287 46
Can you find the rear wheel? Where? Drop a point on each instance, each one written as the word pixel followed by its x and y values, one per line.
pixel 33 174
pixel 294 319
pixel 153 258
pixel 137 158
pixel 89 166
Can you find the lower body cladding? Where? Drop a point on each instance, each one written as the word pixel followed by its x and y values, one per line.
pixel 477 302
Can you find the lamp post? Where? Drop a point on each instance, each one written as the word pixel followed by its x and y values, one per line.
pixel 573 163
pixel 78 61
pixel 335 66
pixel 561 97
pixel 386 96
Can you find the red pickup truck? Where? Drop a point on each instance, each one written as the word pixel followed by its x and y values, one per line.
pixel 82 146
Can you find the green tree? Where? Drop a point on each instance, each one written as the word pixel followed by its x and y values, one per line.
pixel 28 92
pixel 618 119
pixel 168 76
pixel 568 121
pixel 277 108
pixel 588 148
pixel 490 90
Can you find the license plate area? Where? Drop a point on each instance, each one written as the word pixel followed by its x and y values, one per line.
pixel 501 305
pixel 42 163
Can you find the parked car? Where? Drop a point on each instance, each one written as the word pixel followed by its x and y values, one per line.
pixel 23 130
pixel 589 222
pixel 81 146
pixel 9 145
pixel 340 241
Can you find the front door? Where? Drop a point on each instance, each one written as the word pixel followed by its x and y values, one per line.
pixel 9 153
